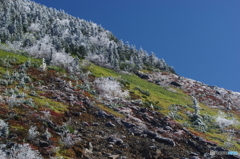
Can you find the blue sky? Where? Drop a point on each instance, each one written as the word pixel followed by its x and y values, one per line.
pixel 199 38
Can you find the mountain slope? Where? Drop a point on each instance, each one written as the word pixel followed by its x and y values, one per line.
pixel 92 96
pixel 46 112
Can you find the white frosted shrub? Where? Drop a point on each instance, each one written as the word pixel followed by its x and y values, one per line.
pixel 68 139
pixel 223 122
pixel 3 129
pixel 32 133
pixel 46 114
pixel 18 151
pixel 110 89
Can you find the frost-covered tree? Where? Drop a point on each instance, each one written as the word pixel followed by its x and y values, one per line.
pixel 196 106
pixel 197 118
pixel 44 65
pixel 45 33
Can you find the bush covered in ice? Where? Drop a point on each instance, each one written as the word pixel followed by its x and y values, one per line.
pixel 110 88
pixel 223 122
pixel 68 139
pixel 3 128
pixel 18 151
pixel 32 133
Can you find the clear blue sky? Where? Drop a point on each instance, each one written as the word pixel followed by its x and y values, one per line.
pixel 199 38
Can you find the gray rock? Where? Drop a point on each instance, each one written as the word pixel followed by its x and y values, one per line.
pixel 136 131
pixel 127 124
pixel 110 146
pixel 211 143
pixel 111 143
pixel 192 143
pixel 165 140
pixel 85 123
pixel 194 157
pixel 124 145
pixel 143 76
pixel 89 104
pixel 110 124
pixel 200 139
pixel 176 84
pixel 76 114
pixel 95 124
pixel 161 131
pixel 167 118
pixel 150 133
pixel 144 135
pixel 102 114
pixel 43 143
pixel 115 140
pixel 153 148
pixel 113 156
pixel 108 154
pixel 58 80
pixel 193 154
pixel 168 128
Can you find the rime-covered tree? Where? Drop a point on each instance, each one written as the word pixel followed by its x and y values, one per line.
pixel 45 32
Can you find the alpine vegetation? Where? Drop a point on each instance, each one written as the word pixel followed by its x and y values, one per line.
pixel 32 133
pixel 18 151
pixel 56 36
pixel 197 118
pixel 110 89
pixel 3 129
pixel 63 103
pixel 44 65
pixel 223 122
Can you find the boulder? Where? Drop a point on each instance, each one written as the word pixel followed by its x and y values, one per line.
pixel 165 140
pixel 113 156
pixel 136 131
pixel 143 76
pixel 115 140
pixel 110 124
pixel 150 133
pixel 95 124
pixel 175 84
pixel 102 114
pixel 168 128
pixel 127 124
pixel 43 143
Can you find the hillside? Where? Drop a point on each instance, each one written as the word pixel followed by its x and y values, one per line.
pixel 48 112
pixel 71 89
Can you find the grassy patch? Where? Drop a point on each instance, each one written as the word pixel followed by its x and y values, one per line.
pixel 50 104
pixel 98 71
pixel 156 93
pixel 19 59
pixel 111 111
pixel 57 69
